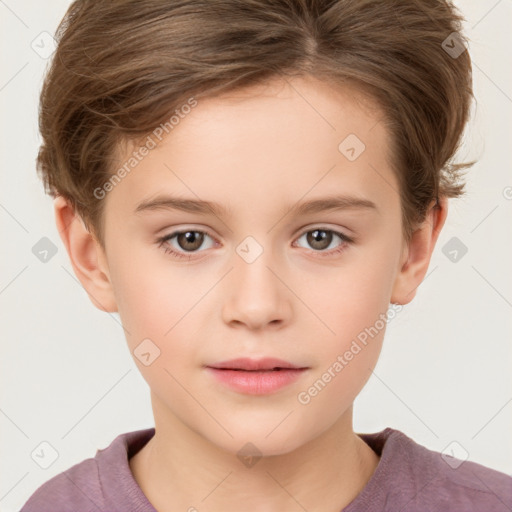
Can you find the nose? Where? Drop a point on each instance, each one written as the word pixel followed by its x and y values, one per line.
pixel 256 295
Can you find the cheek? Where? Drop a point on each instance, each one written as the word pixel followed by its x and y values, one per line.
pixel 352 307
pixel 153 300
pixel 157 310
pixel 355 295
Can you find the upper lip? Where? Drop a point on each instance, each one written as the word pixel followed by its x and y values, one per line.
pixel 245 363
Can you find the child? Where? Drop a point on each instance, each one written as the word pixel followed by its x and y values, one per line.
pixel 302 148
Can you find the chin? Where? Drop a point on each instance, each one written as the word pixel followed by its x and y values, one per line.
pixel 263 440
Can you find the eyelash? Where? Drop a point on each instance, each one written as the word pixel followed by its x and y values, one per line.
pixel 168 250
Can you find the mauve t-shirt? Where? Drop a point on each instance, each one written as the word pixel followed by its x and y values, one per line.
pixel 408 477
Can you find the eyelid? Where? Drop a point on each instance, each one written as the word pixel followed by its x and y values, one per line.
pixel 171 231
pixel 326 227
pixel 172 234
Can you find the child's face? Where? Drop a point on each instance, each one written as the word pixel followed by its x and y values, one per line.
pixel 258 157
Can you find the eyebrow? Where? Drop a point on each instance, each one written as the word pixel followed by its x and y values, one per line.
pixel 324 204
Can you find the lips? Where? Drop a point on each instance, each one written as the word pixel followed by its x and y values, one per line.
pixel 255 376
pixel 247 364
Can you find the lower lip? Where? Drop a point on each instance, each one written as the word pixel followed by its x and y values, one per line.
pixel 257 382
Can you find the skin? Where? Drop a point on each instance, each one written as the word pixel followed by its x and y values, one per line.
pixel 258 152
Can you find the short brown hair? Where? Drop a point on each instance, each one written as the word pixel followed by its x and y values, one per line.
pixel 122 67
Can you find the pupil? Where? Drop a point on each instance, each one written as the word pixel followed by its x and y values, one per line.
pixel 191 238
pixel 319 235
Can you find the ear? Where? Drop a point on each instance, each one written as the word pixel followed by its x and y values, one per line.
pixel 86 255
pixel 416 255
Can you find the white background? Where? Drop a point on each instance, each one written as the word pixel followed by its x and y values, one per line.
pixel 66 374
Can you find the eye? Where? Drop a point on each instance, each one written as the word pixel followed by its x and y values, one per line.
pixel 190 240
pixel 320 239
pixel 187 241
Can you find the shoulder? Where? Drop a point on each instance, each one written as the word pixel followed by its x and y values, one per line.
pixel 79 485
pixel 102 483
pixel 418 478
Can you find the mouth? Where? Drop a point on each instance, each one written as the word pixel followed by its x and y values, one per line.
pixel 256 371
pixel 267 364
pixel 256 377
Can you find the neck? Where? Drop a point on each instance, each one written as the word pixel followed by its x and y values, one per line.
pixel 178 469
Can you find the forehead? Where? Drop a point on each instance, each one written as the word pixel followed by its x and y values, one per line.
pixel 275 142
pixel 280 112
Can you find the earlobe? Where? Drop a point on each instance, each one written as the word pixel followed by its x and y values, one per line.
pixel 416 256
pixel 86 256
